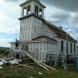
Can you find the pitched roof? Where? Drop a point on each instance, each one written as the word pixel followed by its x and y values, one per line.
pixel 59 32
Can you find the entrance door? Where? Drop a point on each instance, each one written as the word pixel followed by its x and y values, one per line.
pixel 25 47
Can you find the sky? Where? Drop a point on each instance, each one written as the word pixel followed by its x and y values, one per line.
pixel 62 13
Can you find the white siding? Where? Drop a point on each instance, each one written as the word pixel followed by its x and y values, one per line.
pixel 26 28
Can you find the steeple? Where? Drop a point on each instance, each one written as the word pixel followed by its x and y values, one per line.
pixel 32 6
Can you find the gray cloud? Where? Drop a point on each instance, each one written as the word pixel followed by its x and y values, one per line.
pixel 70 5
pixel 65 18
pixel 74 19
pixel 62 17
pixel 70 30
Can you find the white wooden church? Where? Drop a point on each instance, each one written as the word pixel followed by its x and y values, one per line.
pixel 42 38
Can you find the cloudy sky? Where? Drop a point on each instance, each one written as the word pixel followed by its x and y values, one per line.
pixel 59 12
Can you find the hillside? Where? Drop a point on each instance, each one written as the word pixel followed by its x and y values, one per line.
pixel 2 48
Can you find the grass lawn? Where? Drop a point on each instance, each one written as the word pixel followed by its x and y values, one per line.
pixel 23 72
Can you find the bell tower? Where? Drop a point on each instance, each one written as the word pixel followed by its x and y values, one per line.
pixel 32 6
pixel 32 13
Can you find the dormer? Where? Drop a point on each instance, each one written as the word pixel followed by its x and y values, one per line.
pixel 32 6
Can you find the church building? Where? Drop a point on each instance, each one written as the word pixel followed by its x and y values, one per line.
pixel 39 37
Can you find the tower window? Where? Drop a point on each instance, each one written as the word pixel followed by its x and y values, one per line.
pixel 36 9
pixel 40 12
pixel 28 9
pixel 25 11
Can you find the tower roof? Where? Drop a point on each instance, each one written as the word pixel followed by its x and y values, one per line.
pixel 27 1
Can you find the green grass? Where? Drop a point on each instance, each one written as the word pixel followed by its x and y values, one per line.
pixel 1 55
pixel 23 72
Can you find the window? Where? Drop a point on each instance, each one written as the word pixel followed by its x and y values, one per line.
pixel 70 47
pixel 28 9
pixel 74 48
pixel 25 11
pixel 67 47
pixel 62 45
pixel 40 12
pixel 36 9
